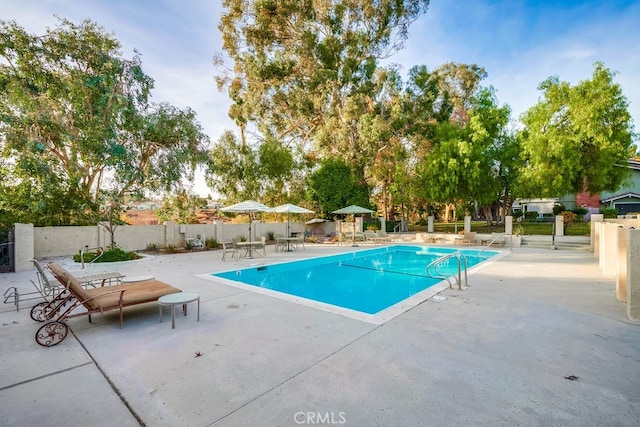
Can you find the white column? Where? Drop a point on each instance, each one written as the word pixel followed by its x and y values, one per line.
pixel 559 225
pixel 508 225
pixel 595 233
pixel 633 274
pixel 23 248
pixel 430 221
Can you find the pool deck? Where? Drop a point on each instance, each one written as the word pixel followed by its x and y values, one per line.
pixel 538 339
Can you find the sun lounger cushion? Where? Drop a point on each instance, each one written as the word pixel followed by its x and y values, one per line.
pixel 135 293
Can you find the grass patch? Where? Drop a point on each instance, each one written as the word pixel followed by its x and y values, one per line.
pixel 576 228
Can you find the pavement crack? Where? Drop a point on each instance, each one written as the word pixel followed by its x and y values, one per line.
pixel 45 376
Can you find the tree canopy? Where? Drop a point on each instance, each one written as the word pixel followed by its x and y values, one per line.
pixel 577 138
pixel 76 125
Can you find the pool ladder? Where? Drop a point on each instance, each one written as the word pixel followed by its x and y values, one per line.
pixel 460 259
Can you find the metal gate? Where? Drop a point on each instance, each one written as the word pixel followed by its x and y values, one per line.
pixel 7 248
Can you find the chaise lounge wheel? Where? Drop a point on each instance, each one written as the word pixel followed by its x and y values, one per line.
pixel 39 312
pixel 51 333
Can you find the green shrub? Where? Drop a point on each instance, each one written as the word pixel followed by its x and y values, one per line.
pixel 558 209
pixel 111 255
pixel 531 215
pixel 170 249
pixel 152 247
pixel 609 212
pixel 580 211
pixel 211 244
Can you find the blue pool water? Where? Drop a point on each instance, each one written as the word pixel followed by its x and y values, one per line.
pixel 366 281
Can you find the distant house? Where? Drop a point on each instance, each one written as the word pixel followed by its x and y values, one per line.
pixel 147 205
pixel 626 199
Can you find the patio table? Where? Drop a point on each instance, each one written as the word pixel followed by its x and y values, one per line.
pixel 288 241
pixel 249 247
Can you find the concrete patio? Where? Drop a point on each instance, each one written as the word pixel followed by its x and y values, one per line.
pixel 539 339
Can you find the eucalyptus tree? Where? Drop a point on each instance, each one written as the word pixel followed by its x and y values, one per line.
pixel 577 138
pixel 303 71
pixel 426 107
pixel 76 123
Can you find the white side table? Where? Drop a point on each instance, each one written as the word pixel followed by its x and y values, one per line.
pixel 133 279
pixel 180 298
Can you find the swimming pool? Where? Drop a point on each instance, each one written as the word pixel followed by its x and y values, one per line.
pixel 366 281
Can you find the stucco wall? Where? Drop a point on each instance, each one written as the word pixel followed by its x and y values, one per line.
pixel 66 241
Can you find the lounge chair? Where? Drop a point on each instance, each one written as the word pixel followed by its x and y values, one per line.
pixel 48 287
pixel 77 301
pixel 468 239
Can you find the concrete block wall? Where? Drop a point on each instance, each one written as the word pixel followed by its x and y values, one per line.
pixel 617 247
pixel 633 274
pixel 44 242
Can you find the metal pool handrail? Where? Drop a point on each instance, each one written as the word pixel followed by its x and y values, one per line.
pixel 87 248
pixel 432 269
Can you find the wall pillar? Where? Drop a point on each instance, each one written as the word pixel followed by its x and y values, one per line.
pixel 508 224
pixel 467 224
pixel 633 274
pixel 609 245
pixel 383 224
pixel 24 248
pixel 595 233
pixel 170 233
pixel 256 229
pixel 430 222
pixel 218 231
pixel 621 276
pixel 559 225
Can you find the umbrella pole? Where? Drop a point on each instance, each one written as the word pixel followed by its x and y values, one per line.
pixel 250 240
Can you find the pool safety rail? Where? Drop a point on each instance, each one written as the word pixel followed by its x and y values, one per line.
pixel 86 248
pixel 497 239
pixel 461 261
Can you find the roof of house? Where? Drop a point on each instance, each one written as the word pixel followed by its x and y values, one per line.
pixel 621 196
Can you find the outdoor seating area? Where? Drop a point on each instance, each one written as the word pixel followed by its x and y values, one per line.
pixel 89 301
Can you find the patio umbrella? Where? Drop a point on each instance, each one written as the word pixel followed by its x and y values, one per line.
pixel 248 206
pixel 288 208
pixel 353 210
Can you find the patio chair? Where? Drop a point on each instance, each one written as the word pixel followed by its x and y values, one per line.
pixel 262 247
pixel 370 237
pixel 77 301
pixel 281 244
pixel 228 248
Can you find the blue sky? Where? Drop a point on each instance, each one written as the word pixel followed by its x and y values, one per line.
pixel 520 44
